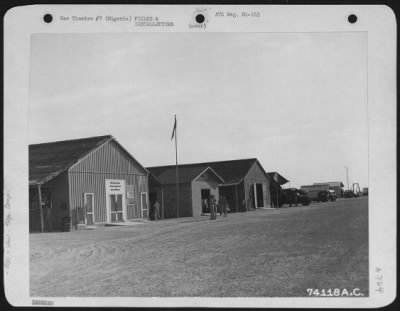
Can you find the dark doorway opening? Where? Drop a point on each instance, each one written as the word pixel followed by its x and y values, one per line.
pixel 152 199
pixel 260 195
pixel 205 196
pixel 229 192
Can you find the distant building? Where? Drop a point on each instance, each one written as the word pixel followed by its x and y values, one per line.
pixel 243 182
pixel 83 182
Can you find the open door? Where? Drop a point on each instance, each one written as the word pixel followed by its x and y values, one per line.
pixel 144 203
pixel 116 207
pixel 89 208
pixel 205 197
pixel 259 195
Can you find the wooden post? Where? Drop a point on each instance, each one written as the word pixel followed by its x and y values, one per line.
pixel 40 209
pixel 277 196
pixel 162 201
pixel 237 206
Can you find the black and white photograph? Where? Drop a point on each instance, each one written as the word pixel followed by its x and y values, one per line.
pixel 208 162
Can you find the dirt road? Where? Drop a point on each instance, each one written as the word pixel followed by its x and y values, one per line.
pixel 279 252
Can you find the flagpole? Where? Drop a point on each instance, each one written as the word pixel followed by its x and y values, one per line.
pixel 176 162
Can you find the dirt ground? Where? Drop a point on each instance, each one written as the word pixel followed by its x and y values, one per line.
pixel 269 253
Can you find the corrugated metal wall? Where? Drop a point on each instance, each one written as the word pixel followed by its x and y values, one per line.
pixel 89 175
pixel 58 194
pixel 185 200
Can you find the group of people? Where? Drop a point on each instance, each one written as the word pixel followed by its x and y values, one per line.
pixel 222 207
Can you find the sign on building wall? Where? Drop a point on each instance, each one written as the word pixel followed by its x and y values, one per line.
pixel 115 186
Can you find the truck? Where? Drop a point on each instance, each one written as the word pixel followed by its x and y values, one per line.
pixel 315 191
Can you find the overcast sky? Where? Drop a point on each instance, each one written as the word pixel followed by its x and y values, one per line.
pixel 297 102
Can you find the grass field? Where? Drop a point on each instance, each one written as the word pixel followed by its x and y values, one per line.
pixel 270 253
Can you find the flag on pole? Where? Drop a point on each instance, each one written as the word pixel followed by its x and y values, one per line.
pixel 174 129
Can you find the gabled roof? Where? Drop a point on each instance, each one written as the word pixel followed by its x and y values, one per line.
pixel 186 174
pixel 277 178
pixel 231 171
pixel 48 160
pixel 331 183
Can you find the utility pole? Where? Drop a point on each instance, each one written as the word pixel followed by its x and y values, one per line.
pixel 347 175
pixel 40 208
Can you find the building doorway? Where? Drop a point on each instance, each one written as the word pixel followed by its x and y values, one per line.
pixel 116 207
pixel 231 195
pixel 259 196
pixel 89 208
pixel 205 197
pixel 152 201
pixel 144 202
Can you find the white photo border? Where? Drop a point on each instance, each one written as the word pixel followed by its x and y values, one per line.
pixel 378 21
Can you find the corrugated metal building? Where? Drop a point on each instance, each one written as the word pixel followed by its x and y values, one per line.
pixel 195 184
pixel 84 182
pixel 241 181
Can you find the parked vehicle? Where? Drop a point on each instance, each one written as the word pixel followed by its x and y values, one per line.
pixel 349 194
pixel 326 195
pixel 323 196
pixel 314 191
pixel 294 196
pixel 332 195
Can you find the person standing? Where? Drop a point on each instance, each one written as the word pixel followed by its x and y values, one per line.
pixel 156 210
pixel 295 198
pixel 48 216
pixel 243 206
pixel 211 205
pixel 220 204
pixel 205 208
pixel 224 206
pixel 151 212
pixel 290 197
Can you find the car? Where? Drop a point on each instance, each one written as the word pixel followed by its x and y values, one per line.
pixel 294 196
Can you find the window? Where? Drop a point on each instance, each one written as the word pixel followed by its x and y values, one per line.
pixel 130 192
pixel 46 199
pixel 34 200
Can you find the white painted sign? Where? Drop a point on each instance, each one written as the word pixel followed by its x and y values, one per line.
pixel 116 186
